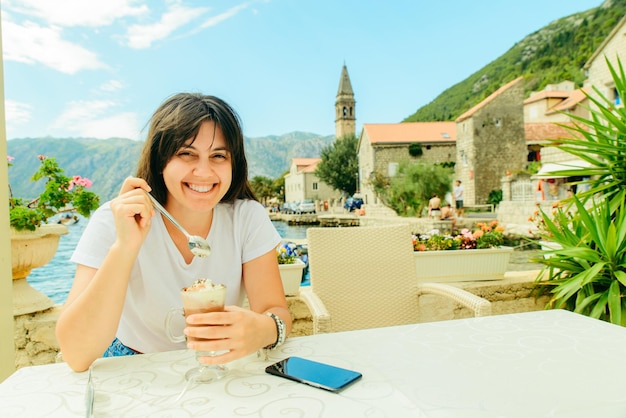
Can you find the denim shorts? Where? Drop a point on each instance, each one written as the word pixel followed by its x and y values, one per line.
pixel 117 349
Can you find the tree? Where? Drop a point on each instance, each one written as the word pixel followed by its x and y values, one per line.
pixel 408 192
pixel 263 188
pixel 339 166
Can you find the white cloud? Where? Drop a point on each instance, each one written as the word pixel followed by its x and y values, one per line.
pixel 111 85
pixel 142 36
pixel 17 113
pixel 214 20
pixel 93 119
pixel 70 13
pixel 30 43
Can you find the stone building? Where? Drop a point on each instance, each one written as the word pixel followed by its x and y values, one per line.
pixel 490 142
pixel 302 183
pixel 598 74
pixel 382 147
pixel 543 110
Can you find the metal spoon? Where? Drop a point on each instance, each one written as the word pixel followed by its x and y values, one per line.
pixel 198 245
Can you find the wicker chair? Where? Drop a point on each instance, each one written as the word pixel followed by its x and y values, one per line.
pixel 365 277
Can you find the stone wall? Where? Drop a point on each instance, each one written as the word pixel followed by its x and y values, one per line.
pixel 399 153
pixel 491 142
pixel 35 340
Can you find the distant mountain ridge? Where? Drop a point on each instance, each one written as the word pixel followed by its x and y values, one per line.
pixel 555 53
pixel 108 162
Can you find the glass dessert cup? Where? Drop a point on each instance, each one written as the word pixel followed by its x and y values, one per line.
pixel 201 297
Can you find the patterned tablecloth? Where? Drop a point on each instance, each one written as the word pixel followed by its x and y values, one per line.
pixel 538 364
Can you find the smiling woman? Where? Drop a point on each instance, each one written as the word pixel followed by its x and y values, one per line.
pixel 131 264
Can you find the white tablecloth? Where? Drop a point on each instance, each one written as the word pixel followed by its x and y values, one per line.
pixel 538 364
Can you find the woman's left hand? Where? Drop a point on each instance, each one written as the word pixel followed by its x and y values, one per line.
pixel 241 331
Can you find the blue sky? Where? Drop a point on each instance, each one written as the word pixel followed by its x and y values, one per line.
pixel 99 68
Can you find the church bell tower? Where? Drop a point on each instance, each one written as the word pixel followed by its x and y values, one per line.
pixel 345 117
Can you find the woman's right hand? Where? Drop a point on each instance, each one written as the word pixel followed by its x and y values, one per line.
pixel 133 212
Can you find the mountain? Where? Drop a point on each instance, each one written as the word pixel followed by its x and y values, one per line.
pixel 108 162
pixel 550 55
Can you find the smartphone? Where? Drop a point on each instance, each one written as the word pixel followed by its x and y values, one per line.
pixel 313 373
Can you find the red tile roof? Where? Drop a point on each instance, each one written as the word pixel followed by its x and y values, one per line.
pixel 542 131
pixel 553 94
pixel 306 165
pixel 576 97
pixel 490 98
pixel 408 132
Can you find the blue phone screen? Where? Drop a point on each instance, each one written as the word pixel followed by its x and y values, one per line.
pixel 308 371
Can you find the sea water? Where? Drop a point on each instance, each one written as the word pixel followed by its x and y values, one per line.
pixel 55 278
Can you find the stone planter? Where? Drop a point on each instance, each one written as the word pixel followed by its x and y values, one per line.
pixel 29 250
pixel 291 275
pixel 462 265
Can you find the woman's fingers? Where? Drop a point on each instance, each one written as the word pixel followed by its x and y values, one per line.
pixel 131 183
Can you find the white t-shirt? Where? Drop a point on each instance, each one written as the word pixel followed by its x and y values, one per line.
pixel 458 192
pixel 240 232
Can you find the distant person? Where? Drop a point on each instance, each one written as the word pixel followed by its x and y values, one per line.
pixel 540 194
pixel 132 263
pixel 447 214
pixel 458 199
pixel 434 206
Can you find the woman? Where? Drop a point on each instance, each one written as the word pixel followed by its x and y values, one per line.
pixel 132 264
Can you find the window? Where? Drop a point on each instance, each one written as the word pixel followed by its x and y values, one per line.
pixel 392 169
pixel 464 158
pixel 314 186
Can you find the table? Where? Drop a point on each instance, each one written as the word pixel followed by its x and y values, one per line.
pixel 536 364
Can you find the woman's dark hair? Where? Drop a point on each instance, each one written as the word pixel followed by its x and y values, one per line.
pixel 176 121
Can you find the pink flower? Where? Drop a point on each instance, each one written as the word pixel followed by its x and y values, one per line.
pixel 9 158
pixel 79 181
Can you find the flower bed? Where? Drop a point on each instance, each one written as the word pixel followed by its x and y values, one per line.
pixel 466 256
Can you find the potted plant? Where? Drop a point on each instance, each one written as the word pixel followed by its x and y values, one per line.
pixel 586 273
pixel 33 241
pixel 466 256
pixel 290 266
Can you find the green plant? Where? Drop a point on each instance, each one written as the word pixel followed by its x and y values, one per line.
pixel 60 194
pixel 588 273
pixel 495 197
pixel 415 149
pixel 484 236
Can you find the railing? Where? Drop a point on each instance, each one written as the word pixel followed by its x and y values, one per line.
pixel 522 190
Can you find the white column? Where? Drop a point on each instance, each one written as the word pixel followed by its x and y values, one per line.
pixel 7 347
